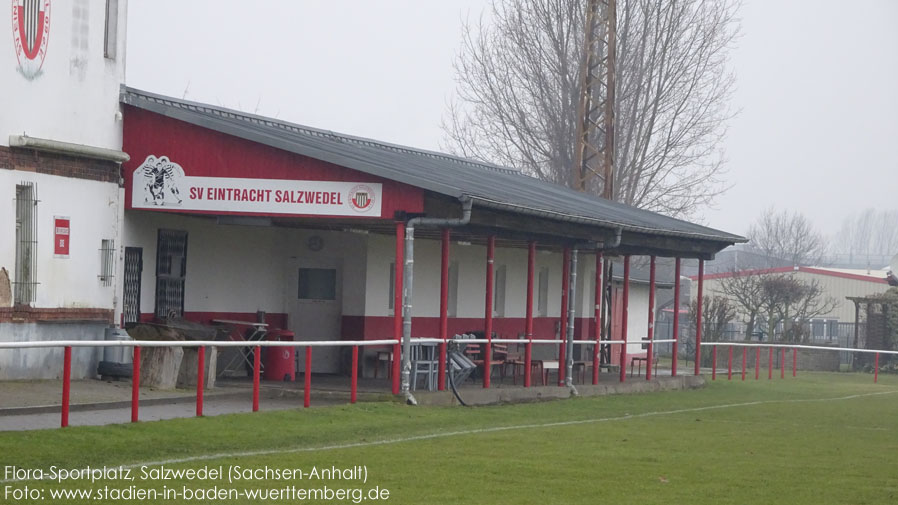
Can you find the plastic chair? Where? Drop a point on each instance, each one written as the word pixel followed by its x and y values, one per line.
pixel 424 361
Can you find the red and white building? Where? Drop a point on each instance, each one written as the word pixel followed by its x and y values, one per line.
pixel 218 214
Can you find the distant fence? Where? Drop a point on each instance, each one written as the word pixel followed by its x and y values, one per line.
pixel 828 334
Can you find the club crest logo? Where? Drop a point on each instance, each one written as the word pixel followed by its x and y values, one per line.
pixel 31 33
pixel 160 179
pixel 361 198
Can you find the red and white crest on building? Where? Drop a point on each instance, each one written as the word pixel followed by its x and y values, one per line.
pixel 361 198
pixel 31 32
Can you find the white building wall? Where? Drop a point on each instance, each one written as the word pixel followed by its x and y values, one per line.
pixel 75 98
pixel 243 268
pixel 71 282
pixel 837 287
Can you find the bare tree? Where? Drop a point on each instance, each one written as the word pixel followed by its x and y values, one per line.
pixel 870 236
pixel 787 236
pixel 778 299
pixel 717 312
pixel 517 98
pixel 746 291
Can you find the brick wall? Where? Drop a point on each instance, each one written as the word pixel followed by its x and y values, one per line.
pixel 24 314
pixel 29 160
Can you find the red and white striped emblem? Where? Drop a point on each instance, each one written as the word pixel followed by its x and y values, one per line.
pixel 31 33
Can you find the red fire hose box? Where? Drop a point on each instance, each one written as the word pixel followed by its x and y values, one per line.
pixel 280 362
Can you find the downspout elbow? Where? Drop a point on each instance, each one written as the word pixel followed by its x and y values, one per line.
pixel 616 241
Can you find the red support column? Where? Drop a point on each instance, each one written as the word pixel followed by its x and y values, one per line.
pixel 698 317
pixel 757 363
pixel 744 361
pixel 713 362
pixel 770 364
pixel 651 330
pixel 625 313
pixel 794 361
pixel 488 311
pixel 676 318
pixel 200 371
pixel 307 386
pixel 135 385
pixel 66 384
pixel 782 362
pixel 444 309
pixel 876 368
pixel 565 282
pixel 397 304
pixel 354 381
pixel 730 363
pixel 600 265
pixel 256 368
pixel 528 324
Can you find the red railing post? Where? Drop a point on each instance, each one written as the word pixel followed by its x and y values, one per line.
pixel 528 323
pixel 744 361
pixel 66 384
pixel 782 362
pixel 625 314
pixel 354 381
pixel 600 265
pixel 444 308
pixel 488 311
pixel 135 385
pixel 565 283
pixel 256 369
pixel 713 362
pixel 397 304
pixel 307 386
pixel 757 363
pixel 729 363
pixel 651 327
pixel 676 319
pixel 876 368
pixel 794 361
pixel 770 363
pixel 698 317
pixel 200 371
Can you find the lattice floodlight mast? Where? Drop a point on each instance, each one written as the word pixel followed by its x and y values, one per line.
pixel 594 155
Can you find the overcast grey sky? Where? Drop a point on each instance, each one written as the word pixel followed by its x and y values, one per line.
pixel 817 85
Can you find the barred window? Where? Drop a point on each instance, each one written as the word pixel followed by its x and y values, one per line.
pixel 26 244
pixel 499 291
pixel 542 301
pixel 107 261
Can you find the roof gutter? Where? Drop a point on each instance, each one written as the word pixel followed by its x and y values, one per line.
pixel 564 216
pixel 408 284
pixel 59 147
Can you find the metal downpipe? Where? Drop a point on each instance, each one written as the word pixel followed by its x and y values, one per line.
pixel 408 285
pixel 572 295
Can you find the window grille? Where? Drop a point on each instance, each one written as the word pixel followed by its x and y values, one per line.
pixel 107 261
pixel 499 291
pixel 25 285
pixel 542 304
pixel 171 273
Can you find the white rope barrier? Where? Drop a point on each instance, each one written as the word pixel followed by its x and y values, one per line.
pixel 797 346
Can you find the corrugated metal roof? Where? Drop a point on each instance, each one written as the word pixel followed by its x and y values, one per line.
pixel 488 185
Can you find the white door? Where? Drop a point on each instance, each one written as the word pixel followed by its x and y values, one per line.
pixel 316 309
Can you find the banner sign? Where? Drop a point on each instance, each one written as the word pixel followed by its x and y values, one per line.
pixel 61 232
pixel 160 184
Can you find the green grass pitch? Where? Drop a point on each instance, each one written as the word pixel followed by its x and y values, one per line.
pixel 816 439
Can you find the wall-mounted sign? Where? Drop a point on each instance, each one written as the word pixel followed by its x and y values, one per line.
pixel 161 184
pixel 61 235
pixel 31 33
